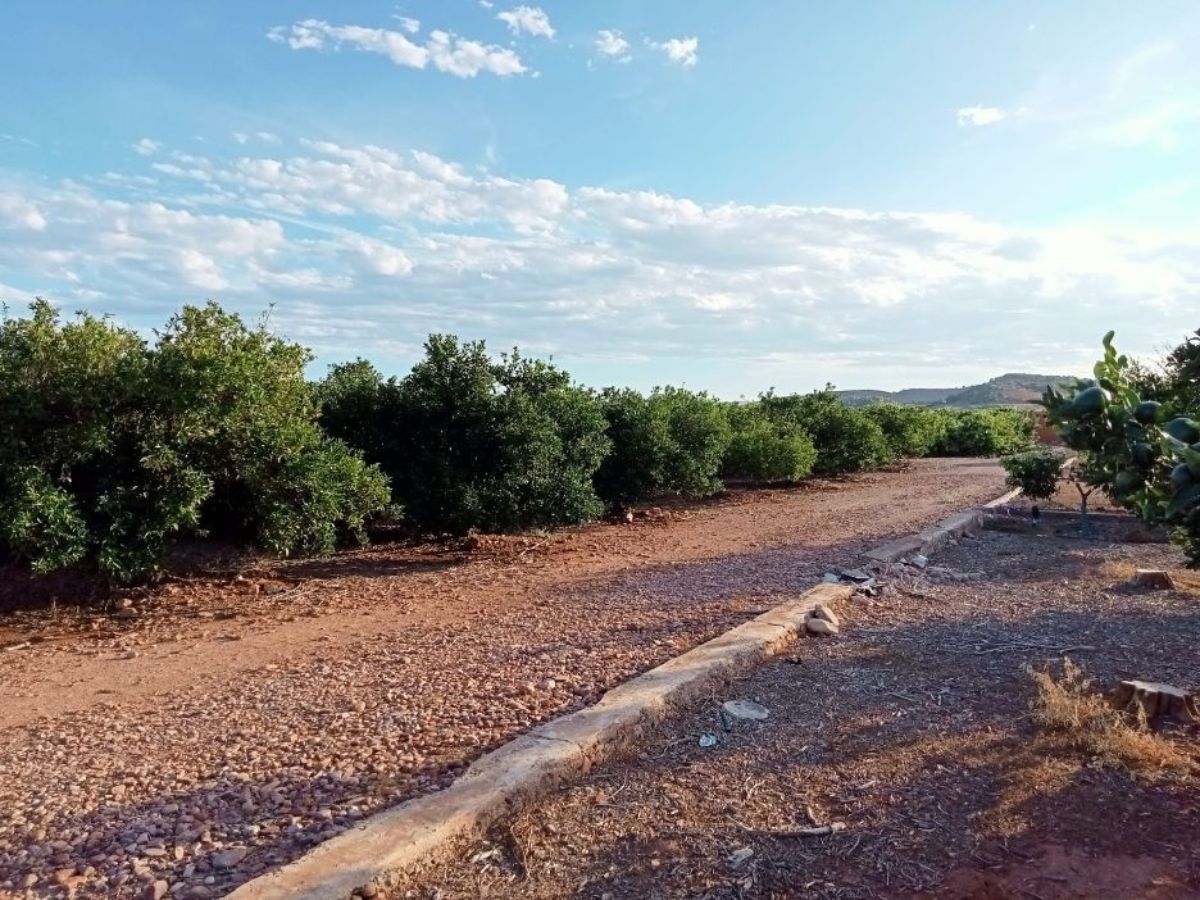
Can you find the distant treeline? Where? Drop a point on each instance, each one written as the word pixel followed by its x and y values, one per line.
pixel 112 448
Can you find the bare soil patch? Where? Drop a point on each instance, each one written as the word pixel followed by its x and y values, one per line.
pixel 914 731
pixel 230 722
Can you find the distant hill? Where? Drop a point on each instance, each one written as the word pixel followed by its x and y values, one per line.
pixel 1013 389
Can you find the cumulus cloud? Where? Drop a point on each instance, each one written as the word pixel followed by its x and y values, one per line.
pixel 367 249
pixel 445 51
pixel 412 26
pixel 146 147
pixel 611 43
pixel 979 115
pixel 682 52
pixel 332 180
pixel 16 212
pixel 528 20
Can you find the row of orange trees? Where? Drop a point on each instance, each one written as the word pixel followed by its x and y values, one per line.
pixel 113 448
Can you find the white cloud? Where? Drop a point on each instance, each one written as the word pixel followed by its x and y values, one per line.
pixel 332 180
pixel 367 249
pixel 18 139
pixel 412 26
pixel 527 19
pixel 447 52
pixel 267 137
pixel 146 147
pixel 611 43
pixel 979 115
pixel 382 258
pixel 16 212
pixel 682 52
pixel 466 59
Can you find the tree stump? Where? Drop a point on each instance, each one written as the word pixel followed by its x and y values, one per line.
pixel 1157 700
pixel 1153 580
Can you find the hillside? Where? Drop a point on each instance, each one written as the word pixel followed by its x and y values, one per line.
pixel 1005 390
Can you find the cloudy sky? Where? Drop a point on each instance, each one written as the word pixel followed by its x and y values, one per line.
pixel 727 195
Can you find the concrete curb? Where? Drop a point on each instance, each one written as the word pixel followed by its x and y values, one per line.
pixel 937 536
pixel 529 766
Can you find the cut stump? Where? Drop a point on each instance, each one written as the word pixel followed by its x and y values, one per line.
pixel 1153 580
pixel 1157 700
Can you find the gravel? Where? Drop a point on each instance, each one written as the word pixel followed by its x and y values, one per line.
pixel 183 750
pixel 897 759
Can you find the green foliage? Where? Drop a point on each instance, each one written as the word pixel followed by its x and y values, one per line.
pixel 910 431
pixel 1036 472
pixel 111 449
pixel 40 522
pixel 1176 383
pixel 764 450
pixel 356 405
pixel 670 442
pixel 1182 372
pixel 1139 453
pixel 983 432
pixel 472 443
pixel 846 438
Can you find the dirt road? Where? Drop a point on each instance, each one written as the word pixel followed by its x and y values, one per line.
pixel 912 732
pixel 223 726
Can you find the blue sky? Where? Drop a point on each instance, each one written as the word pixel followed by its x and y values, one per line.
pixel 732 196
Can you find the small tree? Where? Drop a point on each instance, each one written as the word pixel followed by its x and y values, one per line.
pixel 1036 472
pixel 1143 453
pixel 1080 474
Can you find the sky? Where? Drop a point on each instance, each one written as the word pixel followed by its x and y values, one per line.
pixel 730 196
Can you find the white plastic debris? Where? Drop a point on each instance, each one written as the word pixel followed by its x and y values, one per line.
pixel 708 741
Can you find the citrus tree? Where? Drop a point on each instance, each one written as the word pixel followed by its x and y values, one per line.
pixel 1144 453
pixel 112 449
pixel 1035 472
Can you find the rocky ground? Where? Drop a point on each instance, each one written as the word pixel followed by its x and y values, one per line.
pixel 908 736
pixel 199 733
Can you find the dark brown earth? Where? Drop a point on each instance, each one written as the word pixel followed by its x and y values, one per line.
pixel 912 730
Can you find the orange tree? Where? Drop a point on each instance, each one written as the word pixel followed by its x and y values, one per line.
pixel 1144 453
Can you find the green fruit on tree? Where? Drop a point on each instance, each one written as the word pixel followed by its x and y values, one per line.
pixel 1127 481
pixel 1181 478
pixel 1090 401
pixel 1144 455
pixel 1147 412
pixel 1183 429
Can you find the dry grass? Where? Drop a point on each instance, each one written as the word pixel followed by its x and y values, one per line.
pixel 1121 571
pixel 1083 718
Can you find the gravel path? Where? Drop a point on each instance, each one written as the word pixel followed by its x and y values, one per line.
pixel 220 726
pixel 911 731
